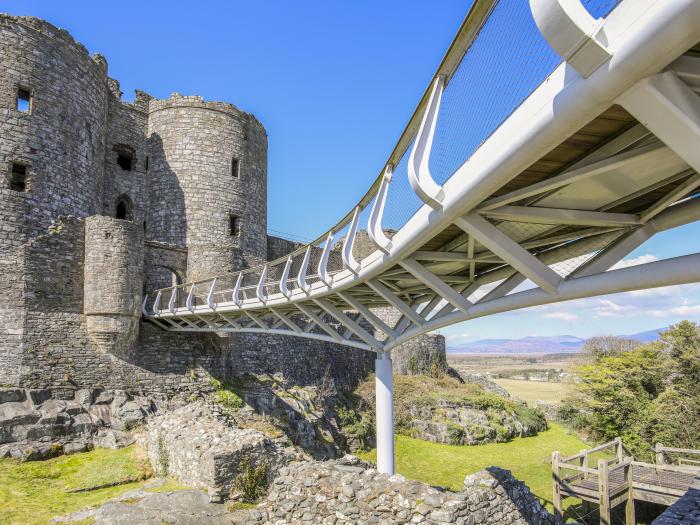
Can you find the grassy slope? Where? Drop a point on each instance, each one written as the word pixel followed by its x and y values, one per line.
pixel 531 391
pixel 447 465
pixel 34 492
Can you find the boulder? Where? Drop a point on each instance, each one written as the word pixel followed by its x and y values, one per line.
pixel 12 395
pixel 127 415
pixel 111 438
pixel 37 397
pixel 15 413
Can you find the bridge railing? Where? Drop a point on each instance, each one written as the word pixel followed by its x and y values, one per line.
pixel 496 61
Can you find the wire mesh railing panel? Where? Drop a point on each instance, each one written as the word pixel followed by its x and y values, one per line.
pixel 522 231
pixel 401 202
pixel 507 61
pixel 575 254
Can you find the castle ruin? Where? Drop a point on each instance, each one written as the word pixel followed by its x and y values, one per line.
pixel 102 199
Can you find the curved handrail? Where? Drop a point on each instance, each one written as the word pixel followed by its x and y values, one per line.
pixel 420 131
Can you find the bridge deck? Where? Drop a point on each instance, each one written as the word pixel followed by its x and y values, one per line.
pixel 649 482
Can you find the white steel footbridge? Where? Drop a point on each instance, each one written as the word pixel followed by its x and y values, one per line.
pixel 553 140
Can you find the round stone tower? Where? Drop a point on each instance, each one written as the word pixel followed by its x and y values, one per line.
pixel 207 184
pixel 52 131
pixel 113 282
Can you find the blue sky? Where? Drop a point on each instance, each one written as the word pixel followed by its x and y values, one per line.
pixel 334 83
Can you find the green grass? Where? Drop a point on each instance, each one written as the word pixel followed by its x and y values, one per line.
pixel 531 391
pixel 34 492
pixel 447 465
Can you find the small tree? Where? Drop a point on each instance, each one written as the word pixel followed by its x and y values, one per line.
pixel 608 345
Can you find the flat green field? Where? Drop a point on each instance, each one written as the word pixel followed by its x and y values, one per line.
pixel 447 465
pixel 531 391
pixel 35 491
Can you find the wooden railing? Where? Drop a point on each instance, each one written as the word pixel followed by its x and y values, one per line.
pixel 601 492
pixel 665 456
pixel 618 477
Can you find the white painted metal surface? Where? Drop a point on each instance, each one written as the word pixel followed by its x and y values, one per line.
pixel 562 232
pixel 385 413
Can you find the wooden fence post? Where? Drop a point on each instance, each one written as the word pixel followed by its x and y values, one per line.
pixel 629 505
pixel 660 459
pixel 603 493
pixel 619 452
pixel 556 492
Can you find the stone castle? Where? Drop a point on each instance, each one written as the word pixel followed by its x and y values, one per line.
pixel 103 199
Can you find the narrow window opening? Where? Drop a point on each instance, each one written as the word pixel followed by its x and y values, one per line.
pixel 123 208
pixel 146 164
pixel 24 100
pixel 235 167
pixel 18 177
pixel 234 226
pixel 125 157
pixel 124 161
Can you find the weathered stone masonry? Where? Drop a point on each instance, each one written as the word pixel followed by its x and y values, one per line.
pixel 121 197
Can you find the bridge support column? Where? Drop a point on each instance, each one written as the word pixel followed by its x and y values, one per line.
pixel 385 413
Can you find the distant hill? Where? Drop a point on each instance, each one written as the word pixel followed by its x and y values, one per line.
pixel 645 337
pixel 558 344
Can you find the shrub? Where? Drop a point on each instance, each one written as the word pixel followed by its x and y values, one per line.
pixel 531 417
pixel 251 480
pixel 163 459
pixel 359 426
pixel 229 400
pixel 455 434
pixel 487 401
pixel 227 396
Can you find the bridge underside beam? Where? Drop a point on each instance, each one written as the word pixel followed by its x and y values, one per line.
pixel 669 272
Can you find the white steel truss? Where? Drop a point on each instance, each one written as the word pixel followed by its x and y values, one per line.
pixel 562 232
pixel 418 283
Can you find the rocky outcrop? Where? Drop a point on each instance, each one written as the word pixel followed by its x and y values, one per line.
pixel 484 382
pixel 549 409
pixel 305 414
pixel 34 424
pixel 457 424
pixel 201 448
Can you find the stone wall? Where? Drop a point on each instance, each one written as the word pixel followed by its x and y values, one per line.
pixel 300 361
pixel 126 132
pixel 164 265
pixel 203 451
pixel 60 139
pixel 52 348
pixel 350 491
pixel 278 247
pixel 64 177
pixel 685 511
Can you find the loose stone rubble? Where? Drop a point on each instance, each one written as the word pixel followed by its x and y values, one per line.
pixel 35 425
pixel 351 491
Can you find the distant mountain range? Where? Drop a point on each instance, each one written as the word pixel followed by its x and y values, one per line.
pixel 566 344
